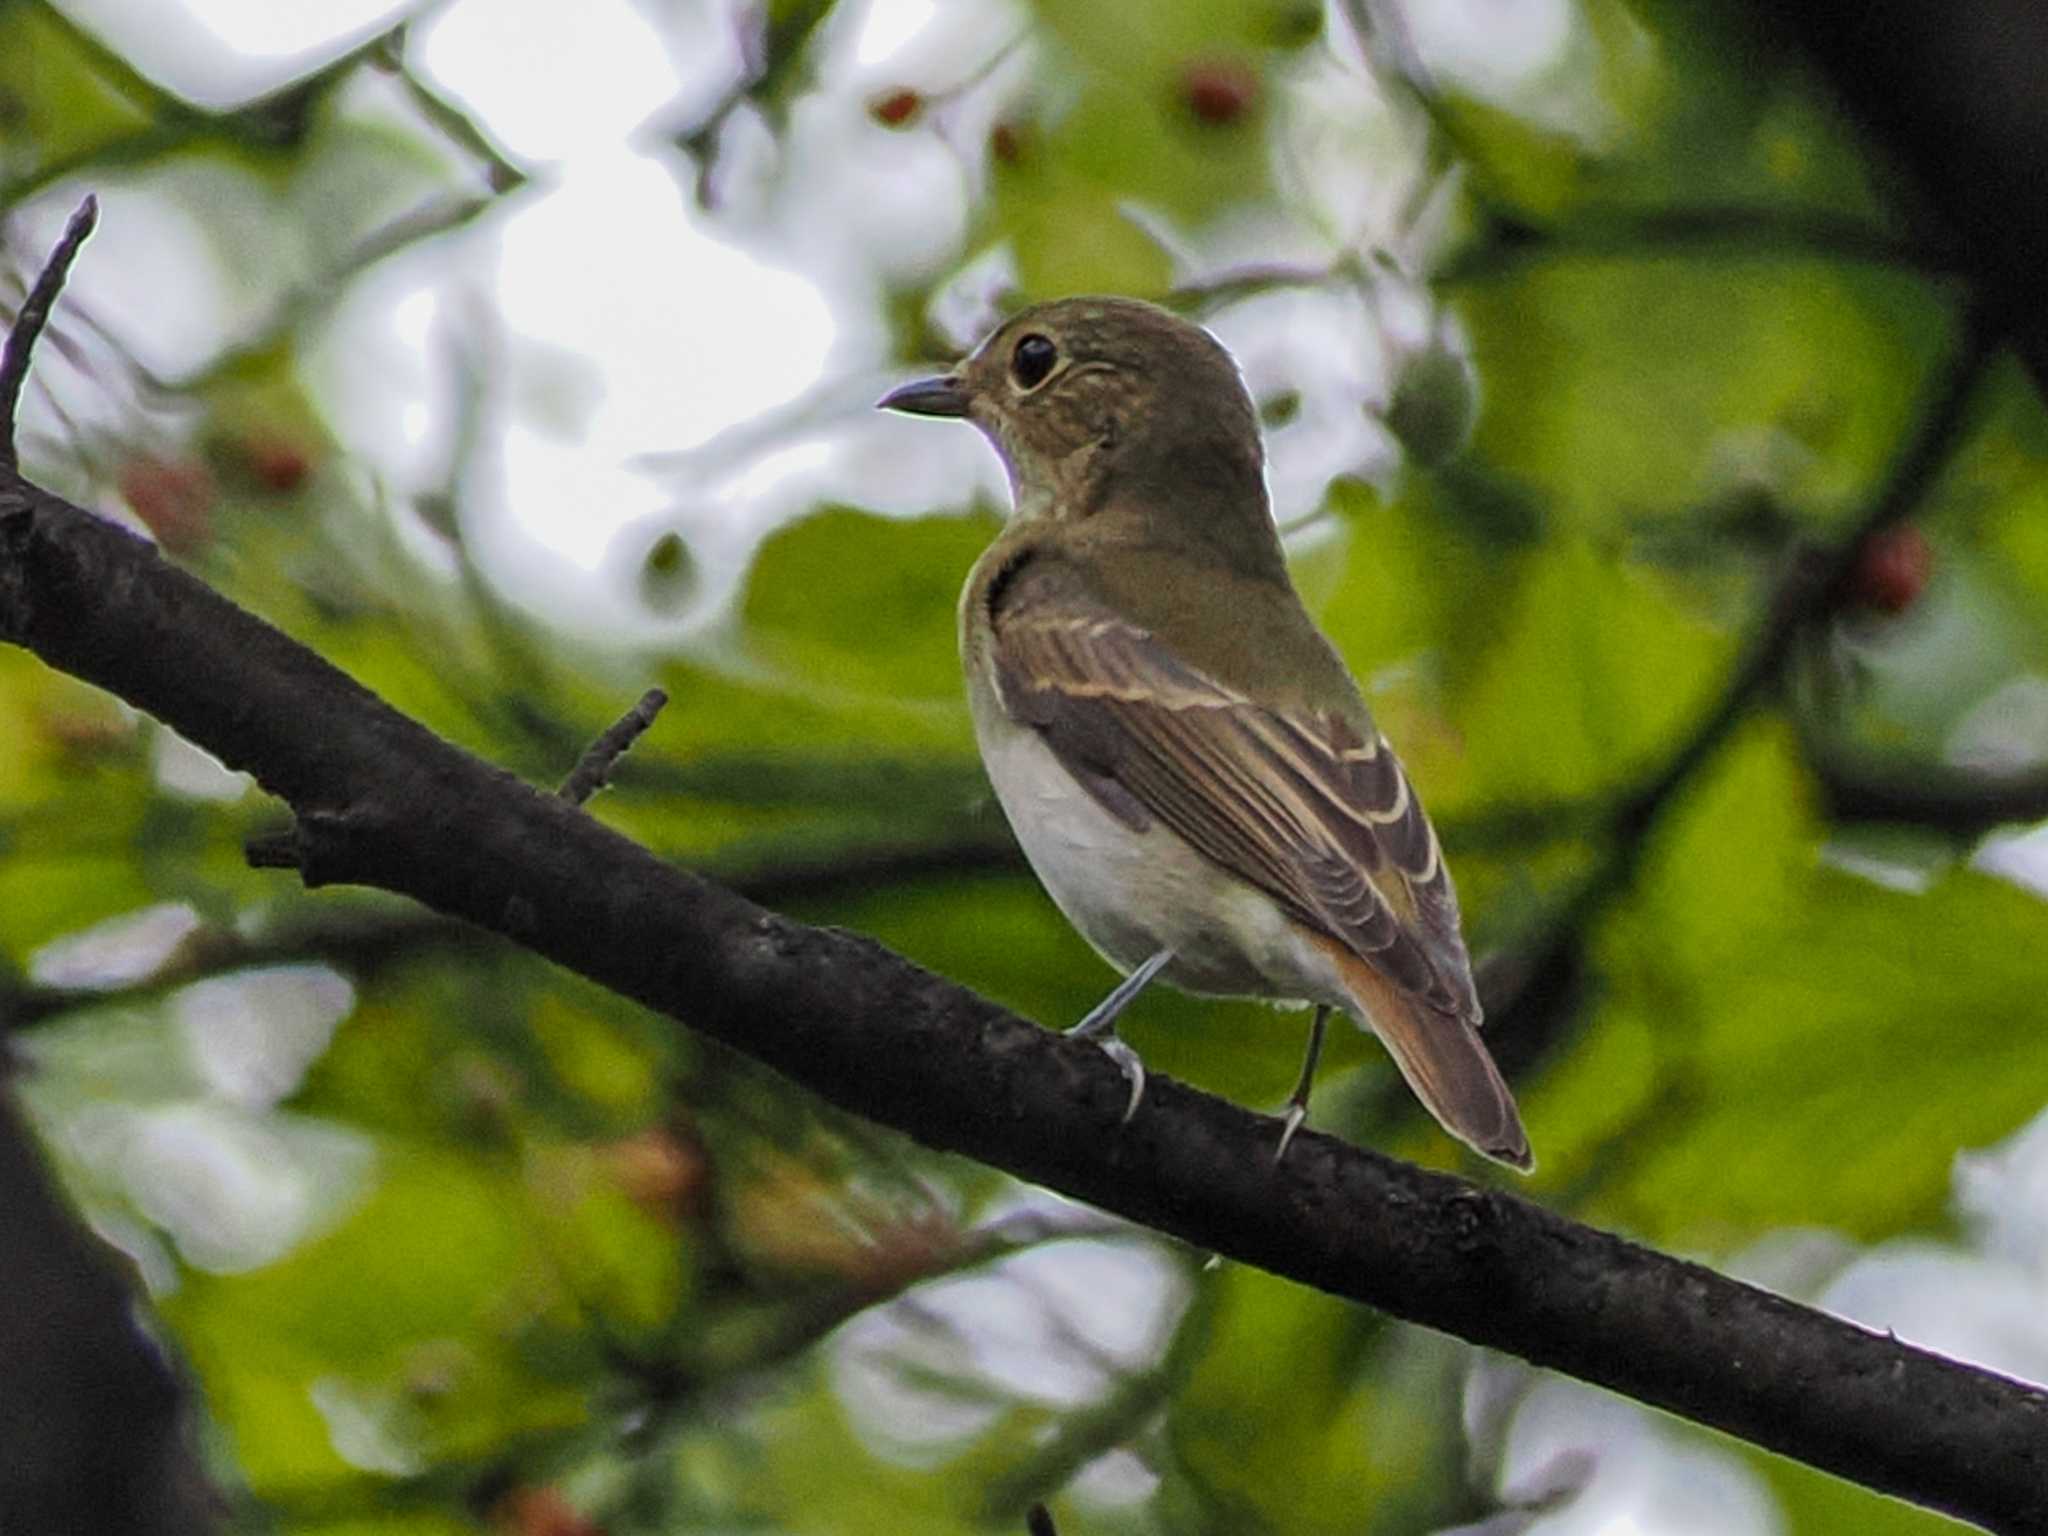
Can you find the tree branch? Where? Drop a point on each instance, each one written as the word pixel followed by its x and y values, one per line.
pixel 1965 802
pixel 593 770
pixel 1507 242
pixel 381 801
pixel 32 317
pixel 1529 990
pixel 93 1422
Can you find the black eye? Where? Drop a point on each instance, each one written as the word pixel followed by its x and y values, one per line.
pixel 1033 360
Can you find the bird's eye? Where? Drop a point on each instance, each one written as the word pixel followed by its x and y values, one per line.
pixel 1033 360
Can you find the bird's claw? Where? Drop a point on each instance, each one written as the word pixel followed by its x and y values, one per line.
pixel 1133 1069
pixel 1292 1121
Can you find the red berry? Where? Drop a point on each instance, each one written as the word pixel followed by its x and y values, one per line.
pixel 1892 569
pixel 173 497
pixel 896 107
pixel 1219 90
pixel 541 1511
pixel 1006 142
pixel 277 463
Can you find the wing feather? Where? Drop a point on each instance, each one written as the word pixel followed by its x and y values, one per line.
pixel 1311 808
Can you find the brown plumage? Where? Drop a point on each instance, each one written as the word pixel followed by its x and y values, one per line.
pixel 1185 759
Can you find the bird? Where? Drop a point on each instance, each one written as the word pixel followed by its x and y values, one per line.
pixel 1184 758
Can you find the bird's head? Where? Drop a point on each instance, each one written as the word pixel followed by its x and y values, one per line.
pixel 1090 400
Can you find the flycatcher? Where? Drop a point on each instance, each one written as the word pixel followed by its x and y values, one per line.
pixel 1185 759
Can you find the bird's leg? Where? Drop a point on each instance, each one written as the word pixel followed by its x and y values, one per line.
pixel 1297 1101
pixel 1100 1026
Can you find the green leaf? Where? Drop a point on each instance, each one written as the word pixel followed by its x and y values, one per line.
pixel 61 96
pixel 1305 1414
pixel 1073 236
pixel 1619 389
pixel 1823 1045
pixel 847 601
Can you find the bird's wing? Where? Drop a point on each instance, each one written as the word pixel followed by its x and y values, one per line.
pixel 1309 807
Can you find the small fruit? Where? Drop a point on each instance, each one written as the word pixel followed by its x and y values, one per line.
pixel 1892 569
pixel 895 108
pixel 1007 142
pixel 174 499
pixel 1219 91
pixel 277 463
pixel 541 1511
pixel 1434 402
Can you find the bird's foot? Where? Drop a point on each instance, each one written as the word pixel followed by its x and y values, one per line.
pixel 1133 1069
pixel 1297 1101
pixel 1292 1121
pixel 1100 1026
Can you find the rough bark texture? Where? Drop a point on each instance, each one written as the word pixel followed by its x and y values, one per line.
pixel 381 801
pixel 92 1421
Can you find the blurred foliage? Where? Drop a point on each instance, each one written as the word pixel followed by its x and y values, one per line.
pixel 505 1253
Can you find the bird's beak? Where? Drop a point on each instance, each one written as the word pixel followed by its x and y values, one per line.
pixel 945 395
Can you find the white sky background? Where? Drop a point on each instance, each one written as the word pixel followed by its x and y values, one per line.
pixel 633 345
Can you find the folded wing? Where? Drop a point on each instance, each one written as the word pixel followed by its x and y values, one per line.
pixel 1312 808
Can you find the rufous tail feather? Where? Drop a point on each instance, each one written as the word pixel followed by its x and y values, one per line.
pixel 1443 1059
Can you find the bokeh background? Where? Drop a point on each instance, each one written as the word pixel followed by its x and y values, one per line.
pixel 518 356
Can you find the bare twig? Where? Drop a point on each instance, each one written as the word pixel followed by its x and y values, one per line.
pixel 1533 1002
pixel 1960 801
pixel 301 304
pixel 594 769
pixel 1116 1419
pixel 34 314
pixel 1592 234
pixel 1811 590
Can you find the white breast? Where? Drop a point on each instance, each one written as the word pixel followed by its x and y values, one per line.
pixel 1132 894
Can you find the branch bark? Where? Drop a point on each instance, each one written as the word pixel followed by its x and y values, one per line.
pixel 380 801
pixel 93 1431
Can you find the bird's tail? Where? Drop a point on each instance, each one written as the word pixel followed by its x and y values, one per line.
pixel 1443 1059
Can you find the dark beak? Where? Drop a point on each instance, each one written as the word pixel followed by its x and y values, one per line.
pixel 942 396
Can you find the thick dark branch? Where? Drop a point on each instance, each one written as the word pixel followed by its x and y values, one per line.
pixel 364 942
pixel 93 1431
pixel 383 802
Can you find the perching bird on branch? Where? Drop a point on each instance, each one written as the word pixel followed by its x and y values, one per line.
pixel 1185 759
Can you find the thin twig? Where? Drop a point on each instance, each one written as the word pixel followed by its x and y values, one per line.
pixel 1595 234
pixel 34 314
pixel 1811 590
pixel 1114 1420
pixel 594 769
pixel 319 294
pixel 1204 294
pixel 1534 1004
pixel 1961 801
